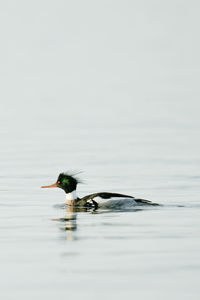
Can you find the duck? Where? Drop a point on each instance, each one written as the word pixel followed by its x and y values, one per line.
pixel 69 182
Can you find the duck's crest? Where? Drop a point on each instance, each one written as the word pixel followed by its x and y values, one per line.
pixel 69 175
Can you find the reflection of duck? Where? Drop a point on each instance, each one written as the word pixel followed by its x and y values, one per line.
pixel 69 221
pixel 106 200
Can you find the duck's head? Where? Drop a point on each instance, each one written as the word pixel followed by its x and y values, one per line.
pixel 66 182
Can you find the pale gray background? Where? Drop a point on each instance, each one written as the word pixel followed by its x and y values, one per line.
pixel 110 88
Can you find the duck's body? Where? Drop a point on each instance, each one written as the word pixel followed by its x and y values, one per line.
pixel 103 199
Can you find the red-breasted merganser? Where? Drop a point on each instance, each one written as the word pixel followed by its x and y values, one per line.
pixel 69 183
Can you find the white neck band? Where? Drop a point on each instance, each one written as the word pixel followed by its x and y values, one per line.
pixel 71 196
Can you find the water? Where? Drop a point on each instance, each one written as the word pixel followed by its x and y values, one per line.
pixel 110 89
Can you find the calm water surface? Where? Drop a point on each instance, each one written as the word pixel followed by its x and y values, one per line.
pixel 50 251
pixel 119 100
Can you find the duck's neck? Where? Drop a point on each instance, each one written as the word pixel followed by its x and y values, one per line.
pixel 71 198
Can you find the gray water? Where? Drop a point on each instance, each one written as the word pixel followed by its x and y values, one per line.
pixel 110 88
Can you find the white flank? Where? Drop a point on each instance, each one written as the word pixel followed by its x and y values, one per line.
pixel 99 199
pixel 115 202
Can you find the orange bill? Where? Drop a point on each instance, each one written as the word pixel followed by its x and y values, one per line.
pixel 49 186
